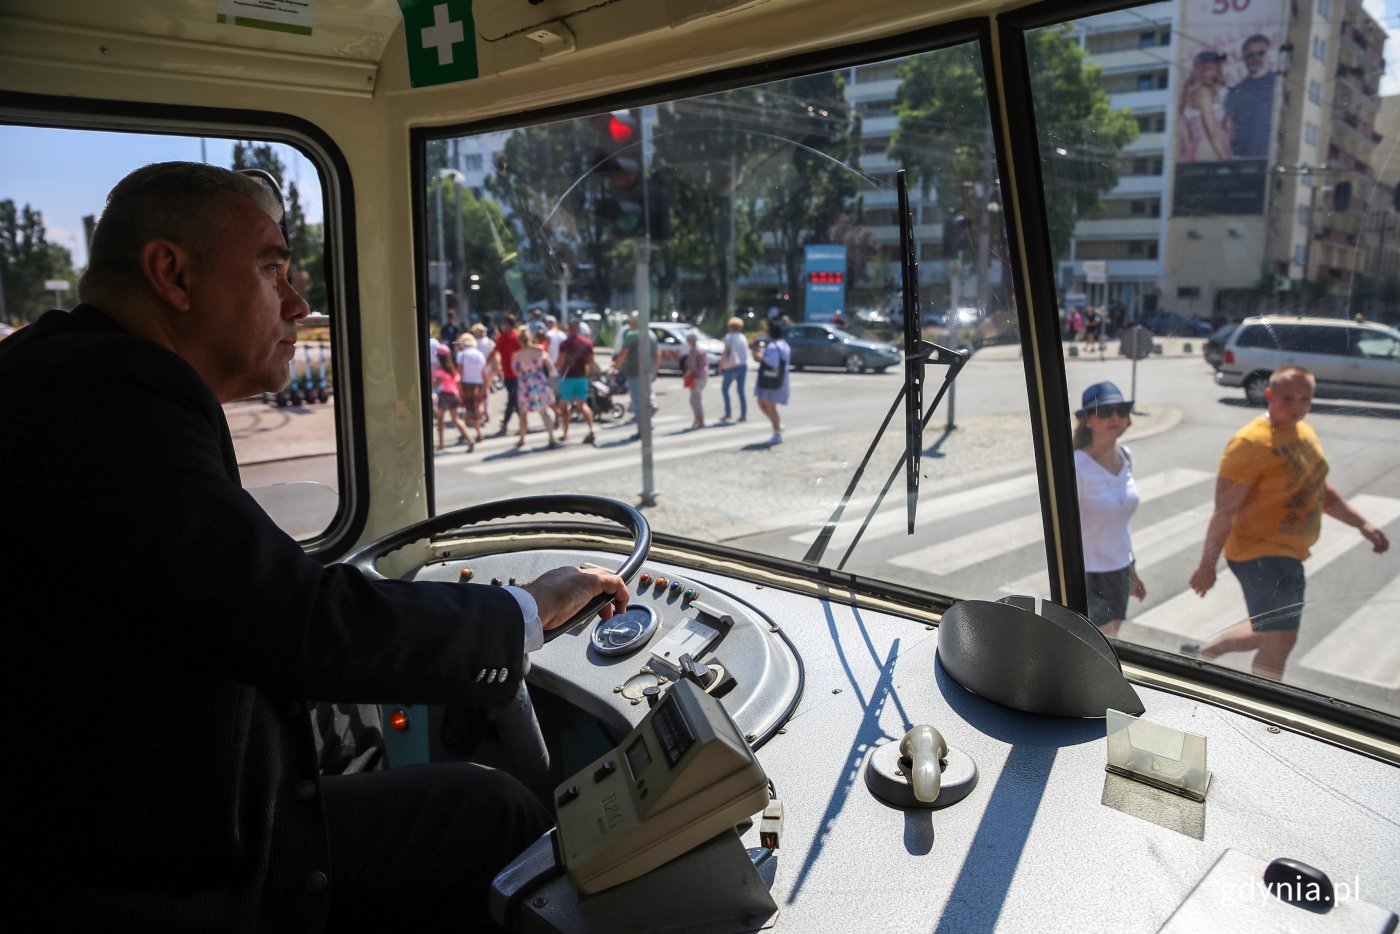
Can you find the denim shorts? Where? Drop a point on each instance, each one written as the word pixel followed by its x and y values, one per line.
pixel 1108 594
pixel 1273 592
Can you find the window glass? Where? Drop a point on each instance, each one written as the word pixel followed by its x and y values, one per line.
pixel 1273 215
pixel 766 203
pixel 53 185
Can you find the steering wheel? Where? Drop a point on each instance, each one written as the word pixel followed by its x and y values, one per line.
pixel 519 727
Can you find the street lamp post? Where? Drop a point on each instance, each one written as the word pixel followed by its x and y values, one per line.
pixel 459 180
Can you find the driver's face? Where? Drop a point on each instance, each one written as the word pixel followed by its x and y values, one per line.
pixel 243 314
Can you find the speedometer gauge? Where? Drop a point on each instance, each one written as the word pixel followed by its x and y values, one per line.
pixel 624 632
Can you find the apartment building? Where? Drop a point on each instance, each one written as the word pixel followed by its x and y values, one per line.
pixel 1121 242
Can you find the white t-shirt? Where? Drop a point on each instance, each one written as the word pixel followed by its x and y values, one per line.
pixel 556 338
pixel 486 345
pixel 1106 503
pixel 736 351
pixel 470 362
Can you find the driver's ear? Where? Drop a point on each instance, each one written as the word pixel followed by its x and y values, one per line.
pixel 166 268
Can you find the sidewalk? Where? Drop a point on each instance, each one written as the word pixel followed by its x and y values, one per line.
pixel 1161 347
pixel 264 433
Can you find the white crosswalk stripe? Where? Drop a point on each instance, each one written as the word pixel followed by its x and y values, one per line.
pixel 1188 618
pixel 1364 647
pixel 988 543
pixel 668 449
pixel 893 521
pixel 1154 543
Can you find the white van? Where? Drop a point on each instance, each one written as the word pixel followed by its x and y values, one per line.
pixel 1350 359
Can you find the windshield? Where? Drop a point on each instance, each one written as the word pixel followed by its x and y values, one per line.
pixel 775 204
pixel 766 204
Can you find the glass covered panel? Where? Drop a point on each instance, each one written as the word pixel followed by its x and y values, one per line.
pixel 715 218
pixel 1247 326
pixel 53 188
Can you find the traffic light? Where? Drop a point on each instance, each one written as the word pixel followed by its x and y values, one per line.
pixel 618 163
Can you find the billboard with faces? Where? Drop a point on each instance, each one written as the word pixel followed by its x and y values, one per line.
pixel 1226 101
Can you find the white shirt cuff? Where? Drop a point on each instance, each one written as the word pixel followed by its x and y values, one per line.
pixel 530 613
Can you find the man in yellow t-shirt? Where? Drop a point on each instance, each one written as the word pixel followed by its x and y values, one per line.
pixel 1270 495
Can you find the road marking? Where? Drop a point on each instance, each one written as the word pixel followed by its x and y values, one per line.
pixel 1186 617
pixel 509 464
pixel 893 521
pixel 730 440
pixel 1154 543
pixel 1363 647
pixel 988 543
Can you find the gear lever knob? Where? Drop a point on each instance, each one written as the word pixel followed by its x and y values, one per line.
pixel 924 747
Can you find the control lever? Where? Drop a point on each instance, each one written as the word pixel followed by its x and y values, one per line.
pixel 919 771
pixel 925 749
pixel 713 678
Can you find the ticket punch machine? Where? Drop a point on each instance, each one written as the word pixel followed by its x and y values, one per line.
pixel 645 837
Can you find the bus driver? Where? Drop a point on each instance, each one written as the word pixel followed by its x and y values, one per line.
pixel 167 780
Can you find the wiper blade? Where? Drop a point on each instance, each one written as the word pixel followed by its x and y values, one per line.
pixel 918 353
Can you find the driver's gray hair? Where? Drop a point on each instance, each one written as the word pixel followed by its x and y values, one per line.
pixel 176 201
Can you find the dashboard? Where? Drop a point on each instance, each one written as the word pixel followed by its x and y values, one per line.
pixel 1046 838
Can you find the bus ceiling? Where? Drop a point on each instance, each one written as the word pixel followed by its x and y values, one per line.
pixel 363 49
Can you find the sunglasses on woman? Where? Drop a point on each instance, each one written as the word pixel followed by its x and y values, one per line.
pixel 1121 409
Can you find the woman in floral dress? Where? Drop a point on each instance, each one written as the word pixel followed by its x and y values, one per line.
pixel 532 372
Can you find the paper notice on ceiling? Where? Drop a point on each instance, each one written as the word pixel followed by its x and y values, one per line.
pixel 292 16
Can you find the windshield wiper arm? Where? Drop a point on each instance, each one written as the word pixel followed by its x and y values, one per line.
pixel 918 353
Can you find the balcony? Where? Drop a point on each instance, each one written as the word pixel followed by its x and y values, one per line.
pixel 1141 101
pixel 1355 78
pixel 1336 237
pixel 1360 43
pixel 1138 185
pixel 1119 228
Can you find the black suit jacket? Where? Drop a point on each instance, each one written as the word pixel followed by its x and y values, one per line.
pixel 163 636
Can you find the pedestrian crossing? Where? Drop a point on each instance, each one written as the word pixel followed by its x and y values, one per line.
pixel 1363 650
pixel 550 467
pixel 1355 648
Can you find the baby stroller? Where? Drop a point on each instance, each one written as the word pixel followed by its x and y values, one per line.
pixel 601 390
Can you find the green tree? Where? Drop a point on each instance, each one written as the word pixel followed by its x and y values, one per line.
pixel 944 133
pixel 546 185
pixel 488 247
pixel 27 260
pixel 805 187
pixel 704 149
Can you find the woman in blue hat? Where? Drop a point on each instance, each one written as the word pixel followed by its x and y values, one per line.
pixel 1108 497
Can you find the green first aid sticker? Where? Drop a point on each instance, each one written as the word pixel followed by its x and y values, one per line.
pixel 441 37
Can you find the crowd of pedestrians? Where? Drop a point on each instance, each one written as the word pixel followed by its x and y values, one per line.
pixel 553 373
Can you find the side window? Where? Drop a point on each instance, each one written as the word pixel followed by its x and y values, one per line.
pixel 1257 335
pixel 1374 346
pixel 285 442
pixel 1314 340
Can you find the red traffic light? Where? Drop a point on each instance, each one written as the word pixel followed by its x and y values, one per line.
pixel 622 127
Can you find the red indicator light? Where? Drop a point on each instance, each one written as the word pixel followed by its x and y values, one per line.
pixel 826 278
pixel 399 721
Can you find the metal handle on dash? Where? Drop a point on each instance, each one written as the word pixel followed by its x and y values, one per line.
pixel 924 747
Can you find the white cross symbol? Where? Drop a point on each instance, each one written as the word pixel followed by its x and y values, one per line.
pixel 443 34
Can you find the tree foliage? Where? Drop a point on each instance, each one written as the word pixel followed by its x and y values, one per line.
pixel 487 248
pixel 27 260
pixel 944 138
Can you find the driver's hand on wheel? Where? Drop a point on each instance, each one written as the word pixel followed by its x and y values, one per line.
pixel 562 592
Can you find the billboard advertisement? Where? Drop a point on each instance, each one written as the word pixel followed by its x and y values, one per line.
pixel 1227 95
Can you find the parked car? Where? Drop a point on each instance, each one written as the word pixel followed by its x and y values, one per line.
pixel 1171 324
pixel 1214 346
pixel 670 337
pixel 827 345
pixel 1350 360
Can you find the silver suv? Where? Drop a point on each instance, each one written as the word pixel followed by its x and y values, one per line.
pixel 1350 360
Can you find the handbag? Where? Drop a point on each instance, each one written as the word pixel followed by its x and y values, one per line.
pixel 771 377
pixel 688 381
